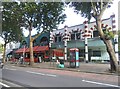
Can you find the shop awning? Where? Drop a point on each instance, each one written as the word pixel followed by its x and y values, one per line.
pixel 34 49
pixel 42 48
pixel 38 49
pixel 21 50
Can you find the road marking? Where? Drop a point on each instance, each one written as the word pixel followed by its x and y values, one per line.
pixel 35 73
pixel 13 66
pixel 10 69
pixel 100 83
pixel 4 84
pixel 42 74
pixel 51 75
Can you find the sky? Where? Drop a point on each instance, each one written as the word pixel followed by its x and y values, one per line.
pixel 75 19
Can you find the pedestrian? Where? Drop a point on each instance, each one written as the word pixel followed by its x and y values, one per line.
pixel 2 64
pixel 57 61
pixel 40 60
pixel 21 59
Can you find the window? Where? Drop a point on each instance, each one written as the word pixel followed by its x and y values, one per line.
pixel 78 35
pixel 58 39
pixel 97 53
pixel 55 39
pixel 95 34
pixel 34 43
pixel 72 36
pixel 82 53
pixel 75 36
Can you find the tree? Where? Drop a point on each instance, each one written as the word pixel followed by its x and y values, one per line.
pixel 1 48
pixel 96 10
pixel 11 31
pixel 43 16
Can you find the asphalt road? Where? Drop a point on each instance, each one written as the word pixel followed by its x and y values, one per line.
pixel 34 77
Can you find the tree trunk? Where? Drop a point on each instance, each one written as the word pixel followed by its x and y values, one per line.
pixel 31 50
pixel 109 46
pixel 3 60
pixel 113 59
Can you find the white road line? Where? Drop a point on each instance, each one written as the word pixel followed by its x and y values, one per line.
pixel 10 69
pixel 100 83
pixel 35 73
pixel 42 74
pixel 51 75
pixel 13 66
pixel 4 84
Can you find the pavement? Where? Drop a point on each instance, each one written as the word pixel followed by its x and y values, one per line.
pixel 99 68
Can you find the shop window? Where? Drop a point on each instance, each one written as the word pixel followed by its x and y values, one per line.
pixel 95 34
pixel 82 53
pixel 97 53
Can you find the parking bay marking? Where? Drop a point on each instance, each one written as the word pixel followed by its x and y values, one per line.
pixel 51 75
pixel 100 83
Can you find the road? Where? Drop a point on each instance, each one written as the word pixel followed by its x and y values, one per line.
pixel 13 76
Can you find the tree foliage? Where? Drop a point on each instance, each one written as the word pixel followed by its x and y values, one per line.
pixel 1 48
pixel 11 30
pixel 45 15
pixel 90 9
